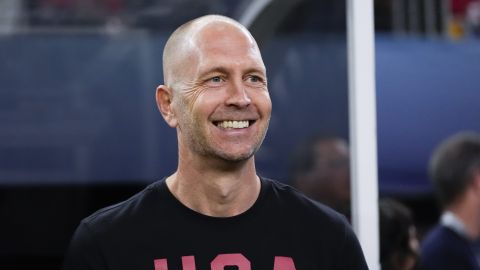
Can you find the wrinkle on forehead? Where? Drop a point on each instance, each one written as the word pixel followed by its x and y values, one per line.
pixel 220 37
pixel 182 51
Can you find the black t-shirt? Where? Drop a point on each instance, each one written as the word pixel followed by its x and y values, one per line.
pixel 283 230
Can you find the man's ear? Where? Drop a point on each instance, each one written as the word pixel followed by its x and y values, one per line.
pixel 164 97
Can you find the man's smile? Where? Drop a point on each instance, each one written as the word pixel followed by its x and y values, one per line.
pixel 233 124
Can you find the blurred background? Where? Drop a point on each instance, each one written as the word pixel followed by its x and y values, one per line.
pixel 79 128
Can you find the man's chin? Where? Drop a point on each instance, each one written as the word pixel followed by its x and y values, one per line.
pixel 235 158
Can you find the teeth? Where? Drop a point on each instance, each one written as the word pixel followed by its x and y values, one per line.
pixel 233 124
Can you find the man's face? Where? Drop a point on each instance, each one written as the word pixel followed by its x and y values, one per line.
pixel 328 181
pixel 222 104
pixel 332 169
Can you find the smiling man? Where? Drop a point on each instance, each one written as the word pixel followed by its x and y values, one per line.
pixel 215 212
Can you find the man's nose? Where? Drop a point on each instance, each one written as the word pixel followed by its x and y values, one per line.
pixel 238 95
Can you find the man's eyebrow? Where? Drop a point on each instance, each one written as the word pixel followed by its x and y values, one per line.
pixel 224 70
pixel 214 70
pixel 255 70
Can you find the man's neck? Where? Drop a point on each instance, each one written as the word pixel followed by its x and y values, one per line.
pixel 216 190
pixel 467 214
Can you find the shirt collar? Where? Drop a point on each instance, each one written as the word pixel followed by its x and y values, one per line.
pixel 451 221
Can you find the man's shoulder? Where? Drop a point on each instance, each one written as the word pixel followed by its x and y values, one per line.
pixel 302 207
pixel 316 226
pixel 443 241
pixel 443 248
pixel 130 209
pixel 441 237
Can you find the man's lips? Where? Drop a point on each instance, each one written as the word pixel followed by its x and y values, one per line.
pixel 233 124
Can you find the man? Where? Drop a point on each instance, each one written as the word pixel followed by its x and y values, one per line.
pixel 214 212
pixel 321 171
pixel 455 173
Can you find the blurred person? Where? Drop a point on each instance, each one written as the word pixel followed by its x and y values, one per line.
pixel 321 171
pixel 399 244
pixel 455 174
pixel 215 212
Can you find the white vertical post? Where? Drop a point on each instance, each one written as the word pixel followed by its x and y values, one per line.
pixel 10 13
pixel 363 139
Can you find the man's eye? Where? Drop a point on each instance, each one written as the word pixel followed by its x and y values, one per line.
pixel 216 79
pixel 255 79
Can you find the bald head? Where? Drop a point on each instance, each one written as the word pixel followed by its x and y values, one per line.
pixel 180 50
